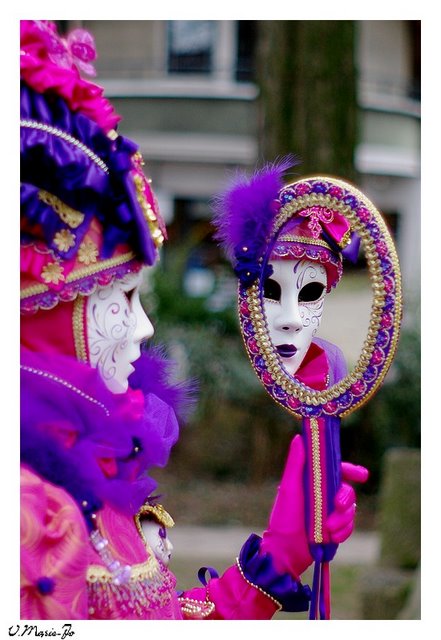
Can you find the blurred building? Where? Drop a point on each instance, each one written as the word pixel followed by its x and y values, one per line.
pixel 186 93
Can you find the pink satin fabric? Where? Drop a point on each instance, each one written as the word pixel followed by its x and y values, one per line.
pixel 54 545
pixel 55 548
pixel 234 598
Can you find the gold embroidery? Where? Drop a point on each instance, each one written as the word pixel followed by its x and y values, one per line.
pixel 68 215
pixel 139 180
pixel 52 273
pixel 78 328
pixel 78 274
pixel 64 240
pixel 147 570
pixel 88 252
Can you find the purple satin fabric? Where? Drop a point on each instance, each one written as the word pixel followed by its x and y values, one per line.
pixel 260 571
pixel 56 165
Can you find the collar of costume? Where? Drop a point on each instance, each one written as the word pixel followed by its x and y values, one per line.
pixel 97 445
pixel 314 370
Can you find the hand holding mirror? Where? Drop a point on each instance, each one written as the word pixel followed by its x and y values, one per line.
pixel 288 244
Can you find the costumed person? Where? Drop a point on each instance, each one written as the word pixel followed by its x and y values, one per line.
pixel 98 411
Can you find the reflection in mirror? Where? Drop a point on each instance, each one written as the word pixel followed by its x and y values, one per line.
pixel 345 320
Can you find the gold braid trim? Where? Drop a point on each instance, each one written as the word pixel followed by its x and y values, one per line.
pixel 304 240
pixel 78 328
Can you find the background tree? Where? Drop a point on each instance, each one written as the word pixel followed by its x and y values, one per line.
pixel 307 78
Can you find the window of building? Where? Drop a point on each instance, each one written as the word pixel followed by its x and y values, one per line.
pixel 191 46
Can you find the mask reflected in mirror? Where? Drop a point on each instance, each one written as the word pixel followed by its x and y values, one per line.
pixel 293 301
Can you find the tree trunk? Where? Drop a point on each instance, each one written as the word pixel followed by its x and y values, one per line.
pixel 307 79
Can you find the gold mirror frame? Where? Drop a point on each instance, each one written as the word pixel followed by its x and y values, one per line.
pixel 385 317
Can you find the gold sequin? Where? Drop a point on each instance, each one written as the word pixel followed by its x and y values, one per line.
pixel 64 240
pixel 52 273
pixel 88 252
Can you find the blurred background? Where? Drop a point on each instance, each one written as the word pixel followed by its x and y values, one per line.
pixel 203 98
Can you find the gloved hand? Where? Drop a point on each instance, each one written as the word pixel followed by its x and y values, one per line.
pixel 285 537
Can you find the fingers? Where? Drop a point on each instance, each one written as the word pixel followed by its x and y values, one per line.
pixel 340 524
pixel 292 474
pixel 354 472
pixel 341 535
pixel 344 498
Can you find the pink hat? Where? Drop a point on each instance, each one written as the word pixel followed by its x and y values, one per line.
pixel 88 212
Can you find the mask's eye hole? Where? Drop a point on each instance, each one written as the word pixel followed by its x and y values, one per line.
pixel 272 290
pixel 311 292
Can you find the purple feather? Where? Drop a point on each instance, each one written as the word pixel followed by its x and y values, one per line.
pixel 245 211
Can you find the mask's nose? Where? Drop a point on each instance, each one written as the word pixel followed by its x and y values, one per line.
pixel 289 318
pixel 144 328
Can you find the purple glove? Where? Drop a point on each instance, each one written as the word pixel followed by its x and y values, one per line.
pixel 285 538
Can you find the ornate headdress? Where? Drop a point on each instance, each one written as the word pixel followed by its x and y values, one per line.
pixel 252 227
pixel 88 213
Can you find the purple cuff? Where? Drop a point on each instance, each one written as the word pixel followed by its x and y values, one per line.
pixel 259 570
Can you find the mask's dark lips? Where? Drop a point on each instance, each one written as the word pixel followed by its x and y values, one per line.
pixel 286 350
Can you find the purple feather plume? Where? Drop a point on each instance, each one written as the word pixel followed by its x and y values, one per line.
pixel 245 211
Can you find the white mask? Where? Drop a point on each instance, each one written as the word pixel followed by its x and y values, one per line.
pixel 293 299
pixel 156 536
pixel 116 326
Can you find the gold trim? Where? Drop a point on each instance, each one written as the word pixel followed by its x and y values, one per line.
pixel 304 240
pixel 78 328
pixel 317 480
pixel 157 512
pixel 77 274
pixel 70 216
pixel 147 570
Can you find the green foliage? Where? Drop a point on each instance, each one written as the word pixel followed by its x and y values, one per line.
pixel 392 418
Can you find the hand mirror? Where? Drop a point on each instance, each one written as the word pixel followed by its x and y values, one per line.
pixel 289 245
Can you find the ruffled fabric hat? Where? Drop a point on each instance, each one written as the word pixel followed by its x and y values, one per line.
pixel 88 212
pixel 259 219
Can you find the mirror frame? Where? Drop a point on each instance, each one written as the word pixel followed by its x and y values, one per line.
pixel 379 347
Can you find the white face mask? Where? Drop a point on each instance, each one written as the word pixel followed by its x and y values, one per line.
pixel 156 536
pixel 293 299
pixel 116 326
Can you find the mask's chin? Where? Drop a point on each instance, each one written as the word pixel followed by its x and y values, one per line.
pixel 292 364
